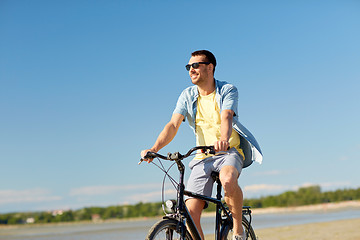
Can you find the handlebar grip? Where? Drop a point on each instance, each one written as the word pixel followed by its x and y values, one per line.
pixel 148 155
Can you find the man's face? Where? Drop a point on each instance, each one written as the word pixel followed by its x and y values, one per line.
pixel 202 73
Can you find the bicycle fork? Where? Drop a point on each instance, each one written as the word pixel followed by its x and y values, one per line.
pixel 185 217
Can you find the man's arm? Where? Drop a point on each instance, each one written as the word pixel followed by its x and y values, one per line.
pixel 225 130
pixel 166 135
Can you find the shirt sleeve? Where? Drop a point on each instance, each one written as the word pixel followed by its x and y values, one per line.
pixel 181 105
pixel 230 99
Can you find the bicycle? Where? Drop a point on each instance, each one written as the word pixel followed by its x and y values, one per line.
pixel 178 224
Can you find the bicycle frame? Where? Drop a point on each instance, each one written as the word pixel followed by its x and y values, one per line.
pixel 181 214
pixel 185 216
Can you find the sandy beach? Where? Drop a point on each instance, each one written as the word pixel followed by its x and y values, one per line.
pixel 337 230
pixel 348 229
pixel 343 229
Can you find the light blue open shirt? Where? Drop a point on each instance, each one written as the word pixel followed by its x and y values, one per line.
pixel 227 98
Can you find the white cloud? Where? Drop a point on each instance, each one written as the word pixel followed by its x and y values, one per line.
pixel 105 190
pixel 269 173
pixel 151 196
pixel 265 187
pixel 329 186
pixel 258 190
pixel 29 195
pixel 343 158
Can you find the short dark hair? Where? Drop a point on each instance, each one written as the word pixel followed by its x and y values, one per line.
pixel 209 56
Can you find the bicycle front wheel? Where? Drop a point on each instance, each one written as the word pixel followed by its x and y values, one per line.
pixel 227 232
pixel 166 229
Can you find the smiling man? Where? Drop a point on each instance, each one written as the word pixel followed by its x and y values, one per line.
pixel 210 106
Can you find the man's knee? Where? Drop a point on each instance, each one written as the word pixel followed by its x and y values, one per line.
pixel 195 206
pixel 229 178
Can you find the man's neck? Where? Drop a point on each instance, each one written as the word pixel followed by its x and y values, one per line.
pixel 207 88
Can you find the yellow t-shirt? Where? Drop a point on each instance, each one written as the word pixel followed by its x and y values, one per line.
pixel 208 123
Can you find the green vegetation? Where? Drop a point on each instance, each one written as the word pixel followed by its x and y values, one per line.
pixel 304 196
pixel 85 214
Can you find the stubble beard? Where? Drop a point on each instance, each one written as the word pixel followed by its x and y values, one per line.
pixel 198 80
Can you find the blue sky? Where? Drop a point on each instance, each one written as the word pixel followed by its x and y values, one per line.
pixel 86 85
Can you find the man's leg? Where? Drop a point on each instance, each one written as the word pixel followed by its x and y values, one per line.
pixel 195 207
pixel 233 195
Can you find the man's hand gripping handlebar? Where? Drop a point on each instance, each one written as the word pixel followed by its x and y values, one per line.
pixel 148 157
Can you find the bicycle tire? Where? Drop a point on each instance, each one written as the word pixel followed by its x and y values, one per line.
pixel 166 229
pixel 226 231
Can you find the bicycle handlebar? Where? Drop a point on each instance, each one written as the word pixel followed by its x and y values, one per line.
pixel 178 156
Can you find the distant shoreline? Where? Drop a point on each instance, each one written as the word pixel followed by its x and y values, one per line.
pixel 271 210
pixel 310 208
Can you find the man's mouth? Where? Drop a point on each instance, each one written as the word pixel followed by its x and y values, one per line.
pixel 193 76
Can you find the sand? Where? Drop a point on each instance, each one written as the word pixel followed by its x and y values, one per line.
pixel 342 229
pixel 348 229
pixel 335 230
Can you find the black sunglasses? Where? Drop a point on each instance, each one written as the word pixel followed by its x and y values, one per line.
pixel 195 65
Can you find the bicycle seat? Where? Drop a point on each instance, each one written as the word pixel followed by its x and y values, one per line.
pixel 215 176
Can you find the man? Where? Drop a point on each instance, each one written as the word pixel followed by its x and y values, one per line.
pixel 211 109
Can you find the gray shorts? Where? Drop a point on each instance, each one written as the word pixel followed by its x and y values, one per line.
pixel 200 180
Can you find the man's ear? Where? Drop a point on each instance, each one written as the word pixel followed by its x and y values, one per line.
pixel 211 67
